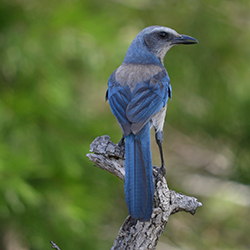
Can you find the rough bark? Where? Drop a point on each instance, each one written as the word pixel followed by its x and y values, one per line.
pixel 135 234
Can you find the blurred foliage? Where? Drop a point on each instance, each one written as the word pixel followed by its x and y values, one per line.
pixel 55 60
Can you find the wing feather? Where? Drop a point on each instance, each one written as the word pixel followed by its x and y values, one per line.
pixel 134 110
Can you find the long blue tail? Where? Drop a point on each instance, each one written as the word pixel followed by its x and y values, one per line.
pixel 139 185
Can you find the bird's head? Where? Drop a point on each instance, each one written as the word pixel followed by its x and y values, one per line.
pixel 158 40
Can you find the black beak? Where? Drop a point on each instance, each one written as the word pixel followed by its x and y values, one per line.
pixel 183 39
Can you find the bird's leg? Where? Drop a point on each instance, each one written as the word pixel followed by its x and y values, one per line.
pixel 159 141
pixel 121 142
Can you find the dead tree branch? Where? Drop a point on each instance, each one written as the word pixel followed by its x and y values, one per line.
pixel 135 234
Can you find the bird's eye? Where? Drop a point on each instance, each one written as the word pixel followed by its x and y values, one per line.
pixel 164 35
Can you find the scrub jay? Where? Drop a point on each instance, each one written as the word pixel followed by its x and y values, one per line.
pixel 138 92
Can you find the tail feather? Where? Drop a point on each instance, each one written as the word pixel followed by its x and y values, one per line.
pixel 139 186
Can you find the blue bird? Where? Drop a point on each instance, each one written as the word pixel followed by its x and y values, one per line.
pixel 138 92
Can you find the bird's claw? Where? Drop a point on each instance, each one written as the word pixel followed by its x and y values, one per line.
pixel 162 170
pixel 121 142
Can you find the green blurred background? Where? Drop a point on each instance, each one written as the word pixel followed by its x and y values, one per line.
pixel 55 60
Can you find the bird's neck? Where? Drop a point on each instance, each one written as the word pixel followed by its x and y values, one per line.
pixel 138 53
pixel 162 54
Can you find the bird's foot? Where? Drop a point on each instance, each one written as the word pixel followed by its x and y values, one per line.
pixel 162 170
pixel 159 173
pixel 121 142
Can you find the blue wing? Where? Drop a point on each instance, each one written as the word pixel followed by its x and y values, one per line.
pixel 147 99
pixel 134 110
pixel 119 98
